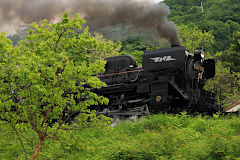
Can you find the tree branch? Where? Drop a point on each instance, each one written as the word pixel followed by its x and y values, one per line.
pixel 46 116
pixel 71 129
pixel 34 156
pixel 19 138
pixel 60 124
pixel 56 44
pixel 55 138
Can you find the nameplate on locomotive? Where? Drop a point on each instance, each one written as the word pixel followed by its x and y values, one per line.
pixel 163 59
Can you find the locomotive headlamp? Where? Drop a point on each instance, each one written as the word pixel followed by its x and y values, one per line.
pixel 199 54
pixel 202 54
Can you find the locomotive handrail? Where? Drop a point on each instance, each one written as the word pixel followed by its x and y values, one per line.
pixel 111 74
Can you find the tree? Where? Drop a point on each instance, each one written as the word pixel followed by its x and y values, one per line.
pixel 231 56
pixel 136 48
pixel 137 43
pixel 47 78
pixel 225 84
pixel 221 32
pixel 193 38
pixel 219 16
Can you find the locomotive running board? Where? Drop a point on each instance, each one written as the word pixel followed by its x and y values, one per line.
pixel 137 111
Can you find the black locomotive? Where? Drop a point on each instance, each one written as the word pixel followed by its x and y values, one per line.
pixel 170 80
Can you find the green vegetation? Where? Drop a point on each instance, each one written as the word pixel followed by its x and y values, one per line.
pixel 193 38
pixel 46 78
pixel 157 137
pixel 136 47
pixel 231 56
pixel 226 85
pixel 219 16
pixel 38 78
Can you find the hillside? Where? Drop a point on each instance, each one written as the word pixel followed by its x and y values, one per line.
pixel 222 17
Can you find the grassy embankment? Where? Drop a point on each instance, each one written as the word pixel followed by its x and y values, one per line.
pixel 157 137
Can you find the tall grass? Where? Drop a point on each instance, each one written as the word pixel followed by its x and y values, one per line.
pixel 160 136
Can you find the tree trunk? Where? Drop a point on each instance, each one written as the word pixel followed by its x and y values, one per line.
pixel 35 154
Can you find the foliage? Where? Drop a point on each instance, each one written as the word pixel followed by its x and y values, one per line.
pixel 138 44
pixel 220 17
pixel 231 56
pixel 136 48
pixel 109 48
pixel 193 38
pixel 226 81
pixel 157 137
pixel 46 79
pixel 221 32
pixel 225 84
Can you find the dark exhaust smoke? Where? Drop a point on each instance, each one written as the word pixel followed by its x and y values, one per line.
pixel 143 15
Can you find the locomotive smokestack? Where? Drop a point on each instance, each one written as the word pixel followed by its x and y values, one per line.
pixel 140 14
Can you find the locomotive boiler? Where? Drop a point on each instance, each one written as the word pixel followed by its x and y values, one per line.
pixel 169 80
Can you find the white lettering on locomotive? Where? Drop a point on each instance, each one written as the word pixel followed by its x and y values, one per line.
pixel 163 59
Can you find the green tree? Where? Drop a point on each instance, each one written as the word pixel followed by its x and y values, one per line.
pixel 136 48
pixel 47 78
pixel 231 56
pixel 193 38
pixel 219 16
pixel 137 44
pixel 221 32
pixel 225 84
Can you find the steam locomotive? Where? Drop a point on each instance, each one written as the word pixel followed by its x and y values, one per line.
pixel 169 80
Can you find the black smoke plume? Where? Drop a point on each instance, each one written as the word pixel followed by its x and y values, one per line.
pixel 141 14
